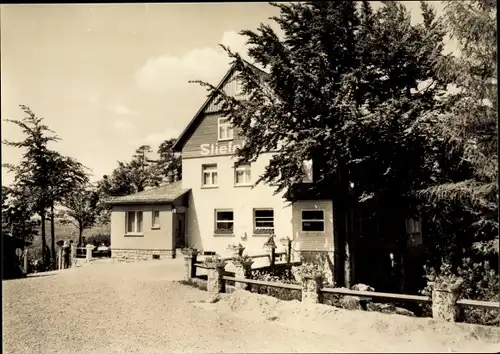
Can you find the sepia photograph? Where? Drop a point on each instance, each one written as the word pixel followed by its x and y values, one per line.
pixel 250 177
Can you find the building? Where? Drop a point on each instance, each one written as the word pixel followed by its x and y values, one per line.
pixel 219 204
pixel 149 224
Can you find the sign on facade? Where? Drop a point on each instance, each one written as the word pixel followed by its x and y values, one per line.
pixel 220 148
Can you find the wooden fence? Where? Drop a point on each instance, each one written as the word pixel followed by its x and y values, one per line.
pixel 445 303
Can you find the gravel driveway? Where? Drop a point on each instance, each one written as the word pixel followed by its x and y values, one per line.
pixel 139 308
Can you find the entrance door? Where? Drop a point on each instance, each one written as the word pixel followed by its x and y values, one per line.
pixel 180 236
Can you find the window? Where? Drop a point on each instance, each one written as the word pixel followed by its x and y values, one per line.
pixel 308 171
pixel 134 222
pixel 313 220
pixel 263 221
pixel 225 130
pixel 155 222
pixel 224 221
pixel 414 229
pixel 209 175
pixel 242 174
pixel 412 226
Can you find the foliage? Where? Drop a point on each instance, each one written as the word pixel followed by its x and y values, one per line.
pixel 341 84
pixel 480 282
pixel 98 239
pixel 285 276
pixel 245 259
pixel 31 177
pixel 214 260
pixel 16 216
pixel 169 164
pixel 140 172
pixel 468 131
pixel 81 209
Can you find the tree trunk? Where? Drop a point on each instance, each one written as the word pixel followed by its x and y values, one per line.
pixel 44 240
pixel 342 241
pixel 53 236
pixel 80 233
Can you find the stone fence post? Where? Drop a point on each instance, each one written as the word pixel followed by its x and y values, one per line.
pixel 25 260
pixel 72 257
pixel 60 258
pixel 311 285
pixel 444 302
pixel 89 248
pixel 243 269
pixel 215 283
pixel 189 265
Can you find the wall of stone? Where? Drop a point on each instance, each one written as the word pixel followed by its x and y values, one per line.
pixel 141 254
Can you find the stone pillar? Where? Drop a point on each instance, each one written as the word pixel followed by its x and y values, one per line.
pixel 215 283
pixel 89 248
pixel 189 265
pixel 311 286
pixel 72 256
pixel 444 302
pixel 243 269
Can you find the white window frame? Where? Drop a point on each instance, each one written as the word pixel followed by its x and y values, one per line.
pixel 212 170
pixel 260 229
pixel 243 167
pixel 134 232
pixel 225 123
pixel 216 221
pixel 302 220
pixel 155 221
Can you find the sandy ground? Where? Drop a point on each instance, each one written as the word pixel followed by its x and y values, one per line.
pixel 139 308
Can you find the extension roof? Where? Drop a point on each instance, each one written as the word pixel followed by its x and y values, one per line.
pixel 158 195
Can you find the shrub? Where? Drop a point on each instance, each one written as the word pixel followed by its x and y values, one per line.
pixel 480 282
pixel 279 275
pixel 98 239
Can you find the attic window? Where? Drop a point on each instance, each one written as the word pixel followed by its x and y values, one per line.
pixel 225 130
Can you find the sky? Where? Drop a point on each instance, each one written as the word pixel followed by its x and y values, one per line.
pixel 109 78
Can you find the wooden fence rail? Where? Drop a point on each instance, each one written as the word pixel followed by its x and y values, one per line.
pixel 365 294
pixel 373 294
pixel 263 283
pixel 444 302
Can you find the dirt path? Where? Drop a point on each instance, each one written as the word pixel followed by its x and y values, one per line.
pixel 139 308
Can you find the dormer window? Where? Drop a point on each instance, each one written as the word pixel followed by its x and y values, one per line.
pixel 225 130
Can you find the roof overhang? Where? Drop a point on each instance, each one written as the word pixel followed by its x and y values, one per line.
pixel 147 199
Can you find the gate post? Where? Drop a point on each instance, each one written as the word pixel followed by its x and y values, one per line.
pixel 444 302
pixel 89 248
pixel 73 255
pixel 243 269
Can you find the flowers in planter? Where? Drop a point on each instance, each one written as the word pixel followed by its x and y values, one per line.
pixel 214 262
pixel 190 251
pixel 445 279
pixel 247 260
pixel 236 248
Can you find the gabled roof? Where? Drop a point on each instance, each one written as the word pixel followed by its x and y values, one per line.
pixel 158 195
pixel 195 122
